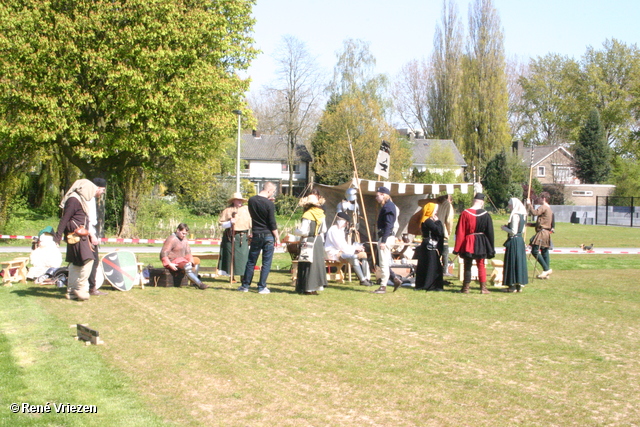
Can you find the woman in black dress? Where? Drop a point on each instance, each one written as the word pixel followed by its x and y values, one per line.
pixel 429 271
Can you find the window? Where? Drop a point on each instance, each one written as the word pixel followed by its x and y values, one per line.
pixel 582 193
pixel 563 174
pixel 285 167
pixel 541 171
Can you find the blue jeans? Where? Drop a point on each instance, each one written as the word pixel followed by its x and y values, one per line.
pixel 264 243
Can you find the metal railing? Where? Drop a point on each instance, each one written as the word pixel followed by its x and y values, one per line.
pixel 615 210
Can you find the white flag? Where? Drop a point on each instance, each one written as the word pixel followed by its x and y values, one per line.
pixel 384 160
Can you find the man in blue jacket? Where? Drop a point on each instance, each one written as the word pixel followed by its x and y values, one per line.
pixel 387 225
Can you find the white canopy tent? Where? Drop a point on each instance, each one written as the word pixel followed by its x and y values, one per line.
pixel 404 195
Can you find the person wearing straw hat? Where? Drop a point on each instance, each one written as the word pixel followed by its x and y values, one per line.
pixel 312 276
pixel 234 248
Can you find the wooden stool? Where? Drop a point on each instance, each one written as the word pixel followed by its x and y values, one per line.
pixel 339 274
pixel 20 274
pixel 496 275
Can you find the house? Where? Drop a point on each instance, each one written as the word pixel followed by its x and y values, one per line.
pixel 434 155
pixel 264 158
pixel 552 164
pixel 554 167
pixel 437 156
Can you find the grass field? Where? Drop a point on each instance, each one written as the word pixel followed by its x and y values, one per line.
pixel 565 352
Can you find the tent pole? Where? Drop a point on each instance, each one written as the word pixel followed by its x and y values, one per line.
pixel 364 209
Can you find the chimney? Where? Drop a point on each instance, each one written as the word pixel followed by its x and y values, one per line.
pixel 255 133
pixel 517 147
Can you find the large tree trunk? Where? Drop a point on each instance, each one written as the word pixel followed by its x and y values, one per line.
pixel 135 184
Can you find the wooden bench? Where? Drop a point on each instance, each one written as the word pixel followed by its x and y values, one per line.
pixel 20 273
pixel 209 271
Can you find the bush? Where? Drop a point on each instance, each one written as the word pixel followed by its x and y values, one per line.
pixel 285 204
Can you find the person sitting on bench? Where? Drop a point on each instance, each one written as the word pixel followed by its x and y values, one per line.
pixel 337 248
pixel 176 256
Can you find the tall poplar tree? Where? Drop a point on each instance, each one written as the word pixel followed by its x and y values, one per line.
pixel 484 97
pixel 443 94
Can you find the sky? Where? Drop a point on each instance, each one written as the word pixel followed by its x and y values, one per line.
pixel 402 30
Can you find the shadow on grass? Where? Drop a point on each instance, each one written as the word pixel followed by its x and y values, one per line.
pixel 41 291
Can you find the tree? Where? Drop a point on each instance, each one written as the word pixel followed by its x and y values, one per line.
pixel 607 81
pixel 295 95
pixel 517 119
pixel 502 179
pixel 626 177
pixel 591 152
pixel 445 79
pixel 357 121
pixel 485 101
pixel 410 94
pixel 119 90
pixel 355 113
pixel 548 106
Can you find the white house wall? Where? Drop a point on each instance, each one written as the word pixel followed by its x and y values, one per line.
pixel 273 170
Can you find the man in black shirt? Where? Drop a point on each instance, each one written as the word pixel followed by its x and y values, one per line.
pixel 264 238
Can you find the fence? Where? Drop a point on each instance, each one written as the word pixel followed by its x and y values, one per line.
pixel 613 210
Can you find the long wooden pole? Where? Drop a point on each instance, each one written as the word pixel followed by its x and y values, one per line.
pixel 233 250
pixel 528 191
pixel 364 209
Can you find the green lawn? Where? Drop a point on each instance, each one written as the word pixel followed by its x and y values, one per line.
pixel 566 351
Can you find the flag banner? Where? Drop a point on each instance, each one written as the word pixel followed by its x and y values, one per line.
pixel 384 160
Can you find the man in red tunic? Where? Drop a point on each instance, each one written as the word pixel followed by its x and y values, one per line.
pixel 474 241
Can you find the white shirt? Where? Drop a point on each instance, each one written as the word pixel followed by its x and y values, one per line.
pixel 336 242
pixel 93 215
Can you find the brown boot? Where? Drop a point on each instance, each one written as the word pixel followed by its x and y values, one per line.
pixel 483 288
pixel 465 287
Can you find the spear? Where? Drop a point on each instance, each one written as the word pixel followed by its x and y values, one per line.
pixel 233 244
pixel 364 209
pixel 529 187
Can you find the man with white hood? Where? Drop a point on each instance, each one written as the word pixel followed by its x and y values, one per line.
pixel 337 248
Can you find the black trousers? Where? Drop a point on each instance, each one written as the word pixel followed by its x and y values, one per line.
pixel 94 269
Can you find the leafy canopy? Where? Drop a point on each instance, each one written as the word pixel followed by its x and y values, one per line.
pixel 121 84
